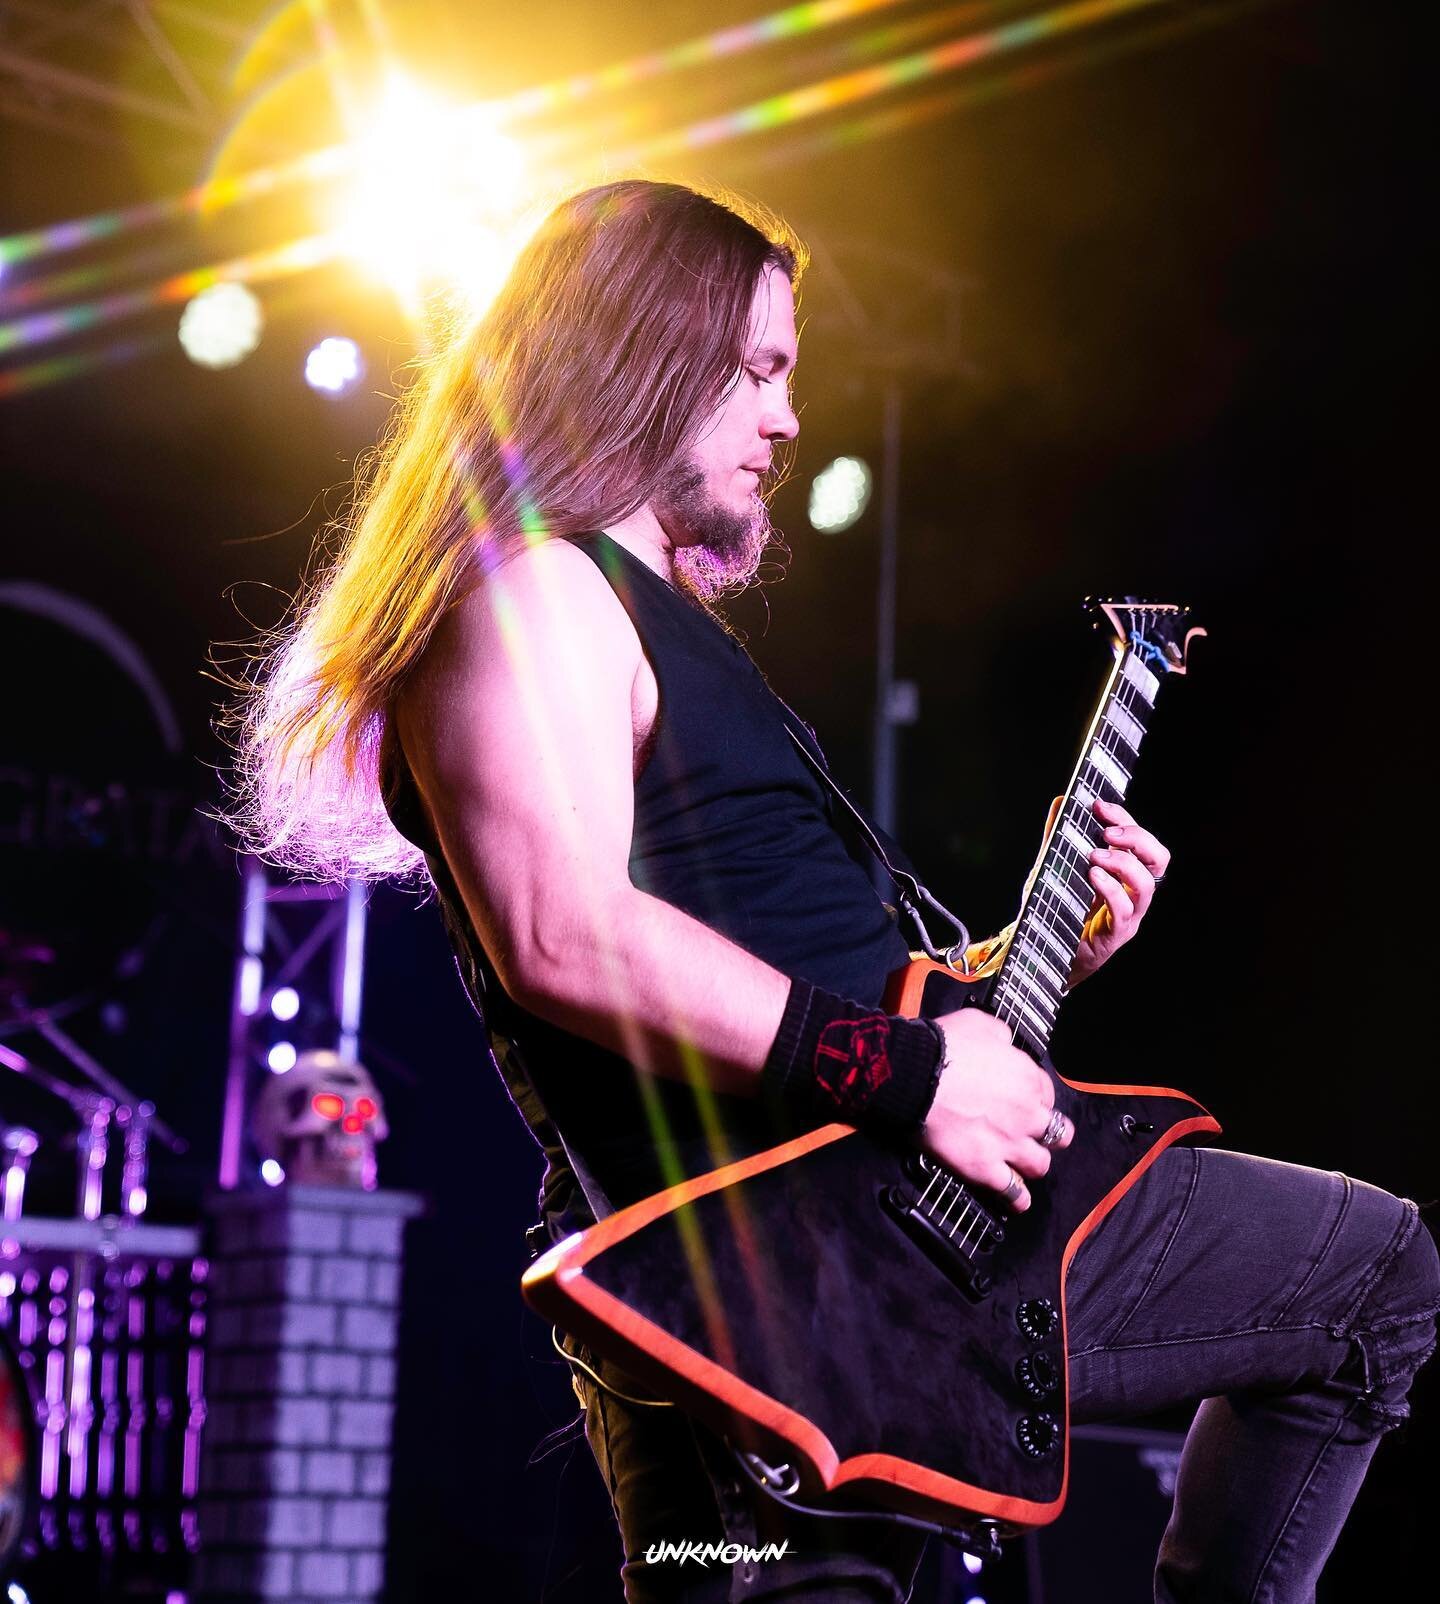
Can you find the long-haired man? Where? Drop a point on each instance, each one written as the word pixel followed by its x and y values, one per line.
pixel 512 683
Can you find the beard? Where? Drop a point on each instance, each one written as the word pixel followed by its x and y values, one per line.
pixel 716 550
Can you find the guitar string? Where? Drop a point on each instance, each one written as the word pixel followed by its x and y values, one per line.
pixel 1109 740
pixel 1048 903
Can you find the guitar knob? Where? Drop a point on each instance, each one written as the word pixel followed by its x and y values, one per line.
pixel 1038 1435
pixel 1037 1374
pixel 1037 1318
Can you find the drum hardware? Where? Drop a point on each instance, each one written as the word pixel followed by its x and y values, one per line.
pixel 101 1325
pixel 17 1147
pixel 96 1110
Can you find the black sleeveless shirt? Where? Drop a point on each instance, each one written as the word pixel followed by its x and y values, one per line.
pixel 732 827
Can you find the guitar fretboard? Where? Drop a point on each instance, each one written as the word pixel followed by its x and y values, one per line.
pixel 1033 978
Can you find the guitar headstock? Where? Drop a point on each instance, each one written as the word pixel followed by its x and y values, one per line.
pixel 1158 632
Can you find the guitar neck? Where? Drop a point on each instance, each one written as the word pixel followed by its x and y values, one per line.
pixel 1033 977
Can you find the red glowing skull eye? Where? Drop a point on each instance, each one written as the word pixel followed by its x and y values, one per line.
pixel 365 1108
pixel 328 1105
pixel 352 1124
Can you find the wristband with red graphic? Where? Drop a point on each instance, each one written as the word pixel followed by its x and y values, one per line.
pixel 838 1060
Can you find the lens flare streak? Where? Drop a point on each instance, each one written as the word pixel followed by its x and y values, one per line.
pixel 219 194
pixel 777 110
pixel 282 262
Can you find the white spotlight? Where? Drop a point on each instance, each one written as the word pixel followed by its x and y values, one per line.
pixel 437 197
pixel 221 326
pixel 281 1057
pixel 271 1173
pixel 285 1004
pixel 839 494
pixel 333 366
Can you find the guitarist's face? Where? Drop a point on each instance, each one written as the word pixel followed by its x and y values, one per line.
pixel 711 504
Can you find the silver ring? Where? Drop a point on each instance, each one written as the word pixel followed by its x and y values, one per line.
pixel 1014 1189
pixel 1054 1130
pixel 1159 879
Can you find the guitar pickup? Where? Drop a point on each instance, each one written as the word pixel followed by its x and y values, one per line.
pixel 943 1251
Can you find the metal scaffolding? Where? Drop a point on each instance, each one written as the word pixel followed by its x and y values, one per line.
pixel 302 936
pixel 68 65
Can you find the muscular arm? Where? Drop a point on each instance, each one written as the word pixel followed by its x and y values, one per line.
pixel 518 726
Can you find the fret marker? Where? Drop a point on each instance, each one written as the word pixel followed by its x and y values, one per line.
pixel 1039 1022
pixel 1100 759
pixel 1077 838
pixel 1052 940
pixel 1030 954
pixel 1141 678
pixel 1066 897
pixel 1127 728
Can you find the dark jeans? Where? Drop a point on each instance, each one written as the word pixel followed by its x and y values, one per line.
pixel 1297 1304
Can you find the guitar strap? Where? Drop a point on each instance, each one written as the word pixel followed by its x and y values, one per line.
pixel 594 1193
pixel 908 890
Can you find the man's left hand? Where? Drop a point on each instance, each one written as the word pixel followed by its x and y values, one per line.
pixel 1124 873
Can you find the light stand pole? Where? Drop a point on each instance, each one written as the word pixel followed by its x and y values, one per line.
pixel 883 775
pixel 892 347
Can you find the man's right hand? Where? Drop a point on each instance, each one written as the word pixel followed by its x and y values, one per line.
pixel 991 1107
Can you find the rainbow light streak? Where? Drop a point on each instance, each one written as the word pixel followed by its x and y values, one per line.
pixel 775 112
pixel 855 130
pixel 791 23
pixel 778 110
pixel 874 42
pixel 335 161
pixel 74 280
pixel 591 897
pixel 283 261
pixel 35 375
pixel 213 196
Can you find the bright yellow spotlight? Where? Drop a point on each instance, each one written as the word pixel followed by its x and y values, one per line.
pixel 436 198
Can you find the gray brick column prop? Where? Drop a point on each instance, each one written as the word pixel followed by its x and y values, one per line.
pixel 300 1389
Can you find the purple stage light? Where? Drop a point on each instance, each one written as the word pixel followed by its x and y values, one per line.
pixel 285 1004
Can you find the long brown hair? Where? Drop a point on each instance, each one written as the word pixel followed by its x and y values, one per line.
pixel 615 336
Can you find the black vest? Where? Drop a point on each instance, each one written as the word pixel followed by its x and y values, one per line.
pixel 732 827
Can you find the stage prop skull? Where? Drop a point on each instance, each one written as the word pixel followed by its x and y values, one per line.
pixel 321 1120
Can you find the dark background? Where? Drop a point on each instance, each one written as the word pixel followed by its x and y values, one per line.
pixel 1184 254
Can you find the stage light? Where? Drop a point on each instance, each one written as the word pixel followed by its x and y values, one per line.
pixel 333 366
pixel 281 1057
pixel 285 1004
pixel 973 1563
pixel 839 494
pixel 221 326
pixel 436 197
pixel 271 1172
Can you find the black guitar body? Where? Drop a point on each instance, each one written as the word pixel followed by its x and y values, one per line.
pixel 798 1303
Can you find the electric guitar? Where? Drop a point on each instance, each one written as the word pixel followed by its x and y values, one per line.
pixel 868 1330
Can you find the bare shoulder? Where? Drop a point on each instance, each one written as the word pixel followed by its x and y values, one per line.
pixel 550 592
pixel 547 607
pixel 543 627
